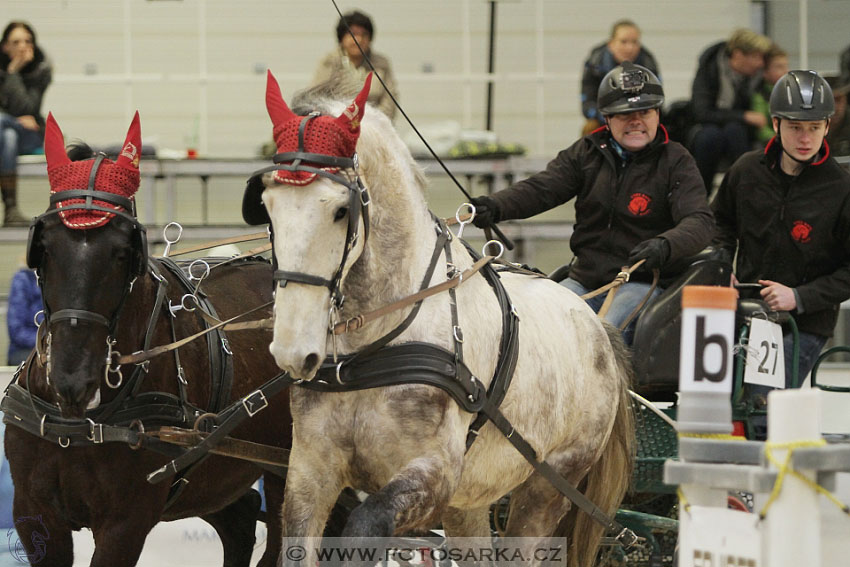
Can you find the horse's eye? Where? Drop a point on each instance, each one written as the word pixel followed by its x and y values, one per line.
pixel 340 213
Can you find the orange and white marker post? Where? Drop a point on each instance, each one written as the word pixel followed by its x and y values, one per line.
pixel 706 362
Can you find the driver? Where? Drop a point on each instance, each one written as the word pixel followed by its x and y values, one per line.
pixel 786 212
pixel 639 196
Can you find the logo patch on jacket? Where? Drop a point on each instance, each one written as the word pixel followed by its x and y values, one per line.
pixel 639 204
pixel 801 231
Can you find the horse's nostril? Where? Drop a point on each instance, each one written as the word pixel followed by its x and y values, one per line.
pixel 310 363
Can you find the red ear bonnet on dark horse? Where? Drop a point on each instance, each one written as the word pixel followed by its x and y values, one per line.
pixel 120 177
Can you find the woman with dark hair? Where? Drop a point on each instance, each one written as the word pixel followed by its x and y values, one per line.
pixel 25 74
pixel 347 63
pixel 624 44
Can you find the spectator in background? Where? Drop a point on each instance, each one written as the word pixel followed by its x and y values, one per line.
pixel 728 74
pixel 24 303
pixel 623 45
pixel 348 63
pixel 25 74
pixel 775 66
pixel 838 137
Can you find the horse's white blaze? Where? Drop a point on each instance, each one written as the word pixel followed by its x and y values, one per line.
pixel 300 329
pixel 313 246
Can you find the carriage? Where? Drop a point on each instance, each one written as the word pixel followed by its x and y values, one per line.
pixel 345 212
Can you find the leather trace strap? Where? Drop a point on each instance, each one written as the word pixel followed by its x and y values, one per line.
pixel 227 420
pixel 226 447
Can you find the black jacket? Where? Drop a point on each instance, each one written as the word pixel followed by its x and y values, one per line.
pixel 706 89
pixel 792 230
pixel 658 192
pixel 21 93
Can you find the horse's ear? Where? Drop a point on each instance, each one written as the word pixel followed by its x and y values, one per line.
pixel 132 149
pixel 353 114
pixel 278 111
pixel 54 144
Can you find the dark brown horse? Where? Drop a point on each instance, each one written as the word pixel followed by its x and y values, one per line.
pixel 67 417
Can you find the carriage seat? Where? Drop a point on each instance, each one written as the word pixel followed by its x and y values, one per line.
pixel 657 334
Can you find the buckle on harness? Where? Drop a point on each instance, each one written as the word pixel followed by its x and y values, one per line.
pixel 627 538
pixel 95 432
pixel 251 400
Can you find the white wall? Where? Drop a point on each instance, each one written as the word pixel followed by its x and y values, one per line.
pixel 827 31
pixel 182 62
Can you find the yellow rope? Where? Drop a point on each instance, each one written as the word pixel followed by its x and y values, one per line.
pixel 683 502
pixel 785 468
pixel 720 436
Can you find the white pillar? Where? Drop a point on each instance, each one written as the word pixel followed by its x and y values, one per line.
pixel 792 526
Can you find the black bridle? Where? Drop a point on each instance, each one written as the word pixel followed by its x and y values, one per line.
pixel 35 248
pixel 358 207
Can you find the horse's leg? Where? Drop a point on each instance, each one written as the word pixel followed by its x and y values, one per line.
pixel 414 498
pixel 460 524
pixel 236 526
pixel 467 523
pixel 313 482
pixel 41 540
pixel 535 510
pixel 120 544
pixel 273 487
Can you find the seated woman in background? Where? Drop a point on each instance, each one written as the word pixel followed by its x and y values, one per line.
pixel 25 74
pixel 623 45
pixel 348 63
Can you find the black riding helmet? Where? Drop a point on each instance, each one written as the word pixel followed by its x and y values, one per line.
pixel 802 95
pixel 629 88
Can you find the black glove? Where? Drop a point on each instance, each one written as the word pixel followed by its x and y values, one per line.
pixel 655 251
pixel 487 211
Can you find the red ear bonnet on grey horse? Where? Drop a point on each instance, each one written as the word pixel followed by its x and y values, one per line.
pixel 322 135
pixel 121 177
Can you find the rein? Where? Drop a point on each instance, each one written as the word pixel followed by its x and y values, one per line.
pixel 614 285
pixel 226 325
pixel 223 241
pixel 358 321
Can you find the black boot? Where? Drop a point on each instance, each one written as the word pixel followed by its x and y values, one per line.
pixel 12 216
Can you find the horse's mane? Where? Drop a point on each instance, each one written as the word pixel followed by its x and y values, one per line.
pixel 78 150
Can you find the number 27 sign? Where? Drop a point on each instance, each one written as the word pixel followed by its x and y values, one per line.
pixel 765 355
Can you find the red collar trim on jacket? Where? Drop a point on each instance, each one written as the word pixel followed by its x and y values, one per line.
pixel 769 145
pixel 825 153
pixel 818 162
